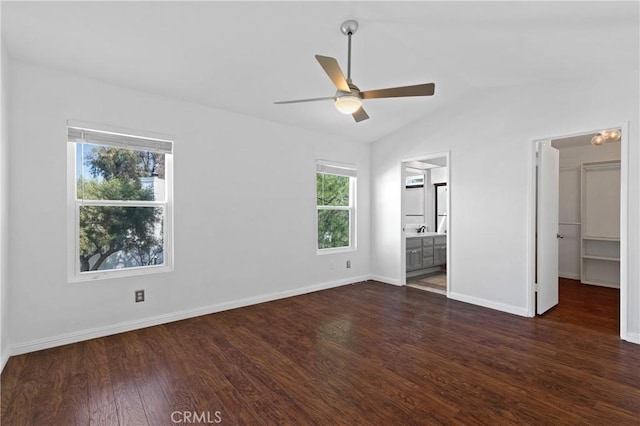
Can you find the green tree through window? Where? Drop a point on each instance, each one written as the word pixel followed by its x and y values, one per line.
pixel 119 236
pixel 334 210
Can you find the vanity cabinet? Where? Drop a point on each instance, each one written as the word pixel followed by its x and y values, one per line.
pixel 414 254
pixel 439 251
pixel 414 259
pixel 426 252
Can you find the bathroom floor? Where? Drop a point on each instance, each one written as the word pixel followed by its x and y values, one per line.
pixel 435 282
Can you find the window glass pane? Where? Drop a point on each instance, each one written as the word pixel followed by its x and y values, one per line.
pixel 120 237
pixel 332 190
pixel 333 228
pixel 108 173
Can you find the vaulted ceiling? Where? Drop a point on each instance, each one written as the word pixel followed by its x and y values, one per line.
pixel 242 56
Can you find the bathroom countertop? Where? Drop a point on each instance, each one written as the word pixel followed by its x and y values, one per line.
pixel 422 234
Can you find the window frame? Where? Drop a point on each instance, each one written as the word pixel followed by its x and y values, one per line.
pixel 74 204
pixel 338 169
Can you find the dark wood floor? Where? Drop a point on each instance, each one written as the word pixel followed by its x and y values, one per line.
pixel 367 353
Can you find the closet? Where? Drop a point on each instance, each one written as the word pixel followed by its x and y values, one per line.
pixel 589 211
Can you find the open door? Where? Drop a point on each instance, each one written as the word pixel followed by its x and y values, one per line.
pixel 547 227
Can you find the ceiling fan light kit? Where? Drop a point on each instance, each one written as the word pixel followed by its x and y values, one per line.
pixel 348 97
pixel 348 103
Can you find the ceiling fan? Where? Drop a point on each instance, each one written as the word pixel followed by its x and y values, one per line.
pixel 348 97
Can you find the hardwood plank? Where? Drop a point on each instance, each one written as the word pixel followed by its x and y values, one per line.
pixel 213 385
pixel 154 377
pixel 283 357
pixel 129 406
pixel 272 404
pixel 360 354
pixel 74 401
pixel 404 395
pixel 9 381
pixel 321 394
pixel 10 378
pixel 102 404
pixel 24 408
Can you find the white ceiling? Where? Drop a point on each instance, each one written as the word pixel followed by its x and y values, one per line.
pixel 573 141
pixel 242 56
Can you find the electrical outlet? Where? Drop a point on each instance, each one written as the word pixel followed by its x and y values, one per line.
pixel 348 264
pixel 139 296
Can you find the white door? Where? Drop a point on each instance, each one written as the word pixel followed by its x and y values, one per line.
pixel 547 227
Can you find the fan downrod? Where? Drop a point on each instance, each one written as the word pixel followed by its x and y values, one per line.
pixel 349 28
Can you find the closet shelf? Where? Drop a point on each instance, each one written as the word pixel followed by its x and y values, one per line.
pixel 593 238
pixel 608 258
pixel 600 218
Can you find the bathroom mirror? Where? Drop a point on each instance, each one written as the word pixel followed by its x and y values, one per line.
pixel 440 191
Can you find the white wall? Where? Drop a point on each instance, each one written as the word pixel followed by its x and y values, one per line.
pixel 239 237
pixel 571 159
pixel 490 136
pixel 4 208
pixel 236 247
pixel 438 175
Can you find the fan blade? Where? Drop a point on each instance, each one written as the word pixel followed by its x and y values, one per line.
pixel 304 100
pixel 396 92
pixel 331 67
pixel 360 115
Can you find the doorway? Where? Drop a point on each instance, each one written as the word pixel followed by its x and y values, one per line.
pixel 426 226
pixel 590 219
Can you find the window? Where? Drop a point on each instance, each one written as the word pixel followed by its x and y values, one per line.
pixel 335 195
pixel 121 187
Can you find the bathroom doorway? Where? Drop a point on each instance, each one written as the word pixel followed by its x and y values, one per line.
pixel 426 223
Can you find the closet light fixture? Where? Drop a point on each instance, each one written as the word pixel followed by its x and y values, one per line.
pixel 612 135
pixel 601 138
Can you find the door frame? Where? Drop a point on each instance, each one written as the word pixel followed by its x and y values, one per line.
pixel 403 241
pixel 624 218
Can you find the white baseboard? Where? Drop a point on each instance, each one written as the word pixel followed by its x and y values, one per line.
pixel 78 336
pixel 601 284
pixel 569 275
pixel 385 280
pixel 632 337
pixel 516 310
pixel 4 357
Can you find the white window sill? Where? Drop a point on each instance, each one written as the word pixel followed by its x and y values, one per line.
pixel 119 273
pixel 335 250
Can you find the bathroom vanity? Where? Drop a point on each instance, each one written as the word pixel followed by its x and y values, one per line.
pixel 426 252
